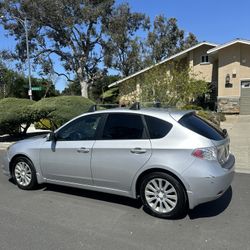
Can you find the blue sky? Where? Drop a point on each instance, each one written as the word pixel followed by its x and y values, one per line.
pixel 215 21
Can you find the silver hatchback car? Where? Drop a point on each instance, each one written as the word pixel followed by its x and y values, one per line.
pixel 172 160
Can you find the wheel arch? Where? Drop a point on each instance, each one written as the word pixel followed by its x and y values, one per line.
pixel 153 170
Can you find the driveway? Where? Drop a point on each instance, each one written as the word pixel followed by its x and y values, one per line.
pixel 238 127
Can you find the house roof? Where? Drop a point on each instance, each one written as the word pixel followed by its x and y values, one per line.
pixel 216 49
pixel 182 53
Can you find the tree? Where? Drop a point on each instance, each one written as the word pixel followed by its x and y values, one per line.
pixel 13 84
pixel 98 91
pixel 172 84
pixel 69 30
pixel 124 49
pixel 166 39
pixel 188 42
pixel 72 88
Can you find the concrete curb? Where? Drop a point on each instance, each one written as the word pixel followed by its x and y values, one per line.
pixel 242 171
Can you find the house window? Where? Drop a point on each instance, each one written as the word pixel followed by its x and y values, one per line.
pixel 204 59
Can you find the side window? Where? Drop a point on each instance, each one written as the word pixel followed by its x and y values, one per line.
pixel 157 128
pixel 81 129
pixel 123 127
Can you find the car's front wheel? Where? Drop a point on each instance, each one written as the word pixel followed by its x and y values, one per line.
pixel 163 196
pixel 24 173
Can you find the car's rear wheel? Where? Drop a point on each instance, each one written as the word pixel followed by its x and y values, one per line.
pixel 24 173
pixel 163 196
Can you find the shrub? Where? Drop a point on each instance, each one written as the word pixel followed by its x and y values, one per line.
pixel 15 115
pixel 192 107
pixel 213 117
pixel 44 124
pixel 59 110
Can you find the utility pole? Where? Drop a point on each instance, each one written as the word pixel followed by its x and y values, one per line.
pixel 28 57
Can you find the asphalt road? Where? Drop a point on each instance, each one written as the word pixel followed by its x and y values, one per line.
pixel 55 217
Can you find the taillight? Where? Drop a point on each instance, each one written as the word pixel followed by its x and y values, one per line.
pixel 205 153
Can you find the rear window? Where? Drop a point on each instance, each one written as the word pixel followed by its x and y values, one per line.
pixel 157 128
pixel 201 127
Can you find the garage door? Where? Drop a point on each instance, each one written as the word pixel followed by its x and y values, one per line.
pixel 245 98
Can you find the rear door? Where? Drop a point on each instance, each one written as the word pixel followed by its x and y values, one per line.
pixel 122 148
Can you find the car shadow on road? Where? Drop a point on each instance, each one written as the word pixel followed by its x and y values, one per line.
pixel 111 198
pixel 212 208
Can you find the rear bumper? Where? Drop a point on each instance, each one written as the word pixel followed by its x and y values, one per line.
pixel 208 180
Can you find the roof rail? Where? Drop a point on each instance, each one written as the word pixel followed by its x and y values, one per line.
pixel 136 106
pixel 93 108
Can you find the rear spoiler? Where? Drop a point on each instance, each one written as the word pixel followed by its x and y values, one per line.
pixel 177 115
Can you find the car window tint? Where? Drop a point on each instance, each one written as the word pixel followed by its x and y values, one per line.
pixel 157 128
pixel 201 127
pixel 83 128
pixel 123 127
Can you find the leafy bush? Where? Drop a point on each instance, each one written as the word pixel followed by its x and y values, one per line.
pixel 213 117
pixel 44 124
pixel 192 107
pixel 59 110
pixel 15 115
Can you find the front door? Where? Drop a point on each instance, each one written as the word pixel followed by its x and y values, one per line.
pixel 68 159
pixel 122 149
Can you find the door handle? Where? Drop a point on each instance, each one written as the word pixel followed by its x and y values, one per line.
pixel 138 151
pixel 83 150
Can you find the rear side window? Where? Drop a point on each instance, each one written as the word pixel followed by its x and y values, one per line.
pixel 123 127
pixel 201 127
pixel 157 128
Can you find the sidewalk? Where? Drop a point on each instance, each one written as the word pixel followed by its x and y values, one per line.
pixel 238 129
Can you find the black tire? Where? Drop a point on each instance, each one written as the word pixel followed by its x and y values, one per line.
pixel 173 204
pixel 28 183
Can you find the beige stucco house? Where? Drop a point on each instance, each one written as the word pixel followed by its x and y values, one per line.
pixel 225 66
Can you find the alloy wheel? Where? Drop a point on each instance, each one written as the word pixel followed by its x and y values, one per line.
pixel 161 195
pixel 23 174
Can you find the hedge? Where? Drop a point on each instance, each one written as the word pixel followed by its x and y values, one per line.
pixel 16 115
pixel 59 110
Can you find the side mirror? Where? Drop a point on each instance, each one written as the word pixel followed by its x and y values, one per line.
pixel 51 137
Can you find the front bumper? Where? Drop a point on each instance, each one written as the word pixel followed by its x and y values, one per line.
pixel 208 180
pixel 5 165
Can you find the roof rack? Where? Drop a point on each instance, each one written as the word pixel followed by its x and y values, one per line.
pixel 94 107
pixel 137 105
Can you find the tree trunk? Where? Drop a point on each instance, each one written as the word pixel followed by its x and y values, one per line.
pixel 84 88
